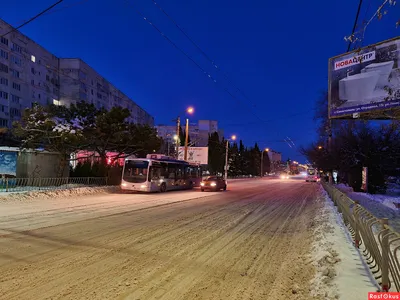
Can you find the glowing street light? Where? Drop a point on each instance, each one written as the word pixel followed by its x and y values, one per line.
pixel 233 138
pixel 190 110
pixel 262 162
pixel 320 147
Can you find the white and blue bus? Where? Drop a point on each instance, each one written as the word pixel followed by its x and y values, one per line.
pixel 158 173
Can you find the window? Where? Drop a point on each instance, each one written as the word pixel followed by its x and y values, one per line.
pixel 3 54
pixel 56 102
pixel 16 48
pixel 14 112
pixel 39 96
pixel 33 82
pixel 47 78
pixel 16 60
pixel 15 99
pixel 99 96
pixel 33 70
pixel 4 108
pixel 83 86
pixel 15 73
pixel 3 95
pixel 4 41
pixel 3 68
pixel 92 91
pixel 4 81
pixel 16 86
pixel 33 58
pixel 3 122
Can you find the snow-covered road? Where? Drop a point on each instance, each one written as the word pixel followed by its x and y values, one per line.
pixel 251 242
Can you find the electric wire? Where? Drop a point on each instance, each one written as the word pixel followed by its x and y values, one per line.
pixel 33 18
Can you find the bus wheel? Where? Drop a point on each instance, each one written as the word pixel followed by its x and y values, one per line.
pixel 163 188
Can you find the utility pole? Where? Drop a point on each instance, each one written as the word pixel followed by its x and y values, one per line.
pixel 262 163
pixel 226 160
pixel 186 139
pixel 330 147
pixel 178 127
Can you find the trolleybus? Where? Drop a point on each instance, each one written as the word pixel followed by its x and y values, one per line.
pixel 158 173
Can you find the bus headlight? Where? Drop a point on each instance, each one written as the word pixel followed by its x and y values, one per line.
pixel 143 186
pixel 124 184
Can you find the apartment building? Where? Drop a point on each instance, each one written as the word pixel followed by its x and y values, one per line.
pixel 198 132
pixel 28 74
pixel 80 82
pixel 31 74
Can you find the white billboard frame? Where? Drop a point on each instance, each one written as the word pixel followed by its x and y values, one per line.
pixel 197 155
pixel 364 81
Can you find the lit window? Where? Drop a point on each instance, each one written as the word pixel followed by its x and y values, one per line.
pixel 33 58
pixel 56 102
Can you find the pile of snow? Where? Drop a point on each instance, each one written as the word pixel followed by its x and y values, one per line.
pixel 57 193
pixel 381 206
pixel 341 272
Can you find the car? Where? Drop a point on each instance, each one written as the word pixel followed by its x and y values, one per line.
pixel 284 176
pixel 215 183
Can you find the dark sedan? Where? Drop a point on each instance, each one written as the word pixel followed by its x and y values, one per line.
pixel 214 183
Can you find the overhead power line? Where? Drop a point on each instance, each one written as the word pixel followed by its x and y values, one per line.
pixel 355 24
pixel 201 50
pixel 33 18
pixel 190 58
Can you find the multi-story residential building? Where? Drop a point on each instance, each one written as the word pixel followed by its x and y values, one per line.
pixel 28 74
pixel 31 74
pixel 80 82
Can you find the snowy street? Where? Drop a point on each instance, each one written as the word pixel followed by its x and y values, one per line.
pixel 259 240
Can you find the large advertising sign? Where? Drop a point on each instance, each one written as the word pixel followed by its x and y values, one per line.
pixel 366 80
pixel 198 155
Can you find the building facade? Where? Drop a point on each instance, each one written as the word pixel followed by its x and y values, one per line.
pixel 80 82
pixel 198 132
pixel 30 74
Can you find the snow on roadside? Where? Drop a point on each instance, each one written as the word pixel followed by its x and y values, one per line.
pixel 341 272
pixel 57 193
pixel 381 206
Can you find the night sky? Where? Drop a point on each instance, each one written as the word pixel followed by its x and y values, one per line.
pixel 275 52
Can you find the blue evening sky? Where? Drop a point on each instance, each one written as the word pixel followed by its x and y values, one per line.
pixel 275 52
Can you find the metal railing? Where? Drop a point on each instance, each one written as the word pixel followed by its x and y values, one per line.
pixel 35 184
pixel 377 241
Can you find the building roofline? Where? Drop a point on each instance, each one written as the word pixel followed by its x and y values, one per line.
pixel 81 60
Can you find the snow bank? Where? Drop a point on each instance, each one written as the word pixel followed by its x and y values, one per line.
pixel 341 272
pixel 57 193
pixel 381 206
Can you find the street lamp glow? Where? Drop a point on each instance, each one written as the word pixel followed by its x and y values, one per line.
pixel 190 110
pixel 175 137
pixel 267 149
pixel 233 137
pixel 319 147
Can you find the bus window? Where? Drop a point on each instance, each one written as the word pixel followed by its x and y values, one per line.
pixel 135 171
pixel 155 173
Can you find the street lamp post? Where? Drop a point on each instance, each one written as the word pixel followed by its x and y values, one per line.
pixel 189 110
pixel 262 161
pixel 226 155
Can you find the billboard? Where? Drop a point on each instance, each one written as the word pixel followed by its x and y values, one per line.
pixel 198 155
pixel 8 164
pixel 367 80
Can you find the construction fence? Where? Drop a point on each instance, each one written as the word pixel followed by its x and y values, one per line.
pixel 376 239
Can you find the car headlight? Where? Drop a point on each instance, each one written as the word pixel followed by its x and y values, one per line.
pixel 202 183
pixel 213 184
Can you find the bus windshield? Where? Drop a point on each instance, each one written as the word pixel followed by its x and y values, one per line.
pixel 311 172
pixel 135 171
